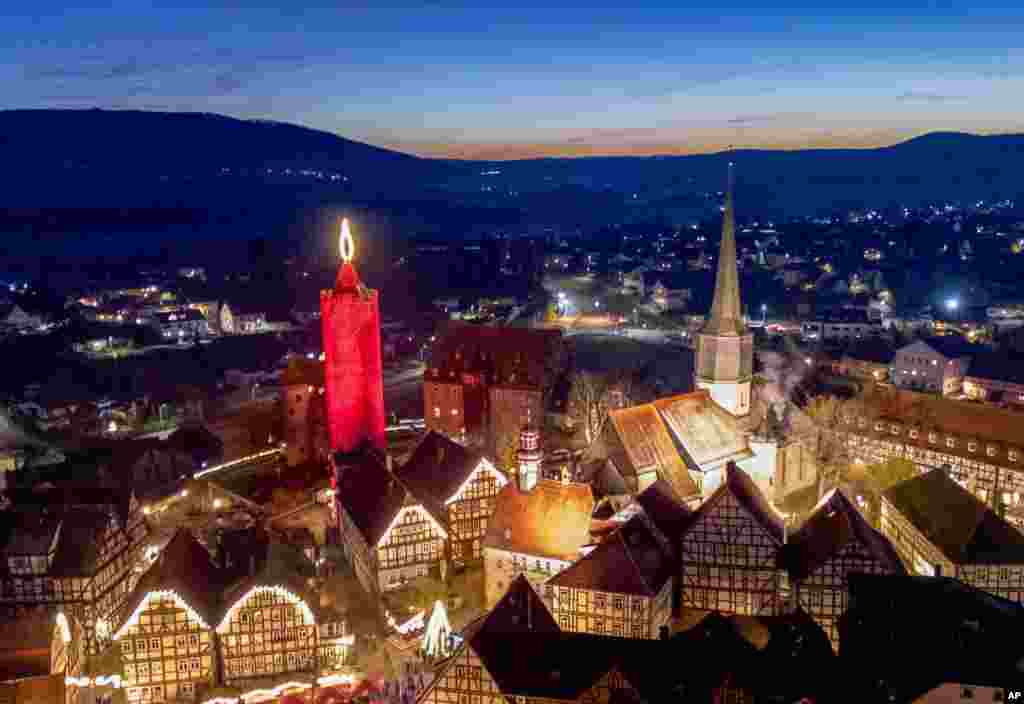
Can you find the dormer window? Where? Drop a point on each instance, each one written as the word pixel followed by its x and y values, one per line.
pixel 950 443
pixel 972 447
pixel 990 450
pixel 894 429
pixel 880 427
pixel 914 435
pixel 933 437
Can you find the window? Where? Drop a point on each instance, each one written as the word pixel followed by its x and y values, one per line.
pixel 914 434
pixel 972 446
pixel 933 437
pixel 1011 455
pixel 990 450
pixel 950 443
pixel 894 429
pixel 618 603
pixel 880 427
pixel 437 411
pixel 967 693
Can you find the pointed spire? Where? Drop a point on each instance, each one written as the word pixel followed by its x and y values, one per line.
pixel 726 317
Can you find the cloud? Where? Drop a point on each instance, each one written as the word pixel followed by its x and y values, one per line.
pixel 917 96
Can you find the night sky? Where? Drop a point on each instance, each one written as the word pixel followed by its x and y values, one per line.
pixel 525 79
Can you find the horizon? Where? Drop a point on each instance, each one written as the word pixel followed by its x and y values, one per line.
pixel 501 81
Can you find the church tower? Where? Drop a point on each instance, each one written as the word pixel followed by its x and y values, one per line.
pixel 725 348
pixel 350 316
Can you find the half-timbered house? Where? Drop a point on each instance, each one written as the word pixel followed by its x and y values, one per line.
pixel 623 587
pixel 399 525
pixel 833 542
pixel 537 533
pixel 78 556
pixel 516 653
pixel 164 631
pixel 939 528
pixel 728 551
pixel 456 484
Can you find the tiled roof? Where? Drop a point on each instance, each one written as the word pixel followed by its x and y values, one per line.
pixel 185 567
pixel 635 559
pixel 552 520
pixel 663 508
pixel 705 430
pixel 833 525
pixel 368 493
pixel 435 471
pixel 742 488
pixel 962 418
pixel 955 521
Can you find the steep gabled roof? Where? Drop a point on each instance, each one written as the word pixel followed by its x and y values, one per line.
pixel 955 521
pixel 661 505
pixel 436 470
pixel 369 494
pixel 186 568
pixel 833 525
pixel 552 520
pixel 635 559
pixel 742 488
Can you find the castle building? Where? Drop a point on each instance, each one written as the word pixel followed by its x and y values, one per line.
pixel 725 347
pixel 482 381
pixel 350 316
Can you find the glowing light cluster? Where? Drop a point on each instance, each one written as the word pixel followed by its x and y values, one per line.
pixel 100 681
pixel 402 512
pixel 261 695
pixel 286 594
pixel 65 628
pixel 484 466
pixel 160 594
pixel 413 624
pixel 435 640
pixel 240 460
pixel 345 242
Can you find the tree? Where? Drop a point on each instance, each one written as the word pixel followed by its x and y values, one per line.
pixel 831 452
pixel 885 475
pixel 589 399
pixel 507 452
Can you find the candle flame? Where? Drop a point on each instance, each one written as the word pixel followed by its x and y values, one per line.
pixel 346 243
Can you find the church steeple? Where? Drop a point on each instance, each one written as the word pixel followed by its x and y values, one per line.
pixel 726 317
pixel 725 348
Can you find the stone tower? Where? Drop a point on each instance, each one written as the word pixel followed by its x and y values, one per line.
pixel 350 316
pixel 725 348
pixel 529 457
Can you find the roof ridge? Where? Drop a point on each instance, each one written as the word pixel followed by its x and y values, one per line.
pixel 632 560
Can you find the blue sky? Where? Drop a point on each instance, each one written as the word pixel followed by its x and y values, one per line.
pixel 510 80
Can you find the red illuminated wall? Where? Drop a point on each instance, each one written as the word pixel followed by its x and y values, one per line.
pixel 350 315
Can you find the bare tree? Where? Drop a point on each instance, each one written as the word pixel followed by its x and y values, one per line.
pixel 832 454
pixel 592 396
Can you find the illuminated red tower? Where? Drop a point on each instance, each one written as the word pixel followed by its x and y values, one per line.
pixel 352 359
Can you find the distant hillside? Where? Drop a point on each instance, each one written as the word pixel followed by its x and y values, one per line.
pixel 204 170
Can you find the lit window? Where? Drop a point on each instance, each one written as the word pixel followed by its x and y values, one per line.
pixel 437 411
pixel 880 427
pixel 990 450
pixel 894 429
pixel 914 434
pixel 972 446
pixel 950 442
pixel 1012 455
pixel 933 437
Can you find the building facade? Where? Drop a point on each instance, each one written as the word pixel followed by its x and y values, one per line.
pixel 834 542
pixel 350 318
pixel 725 347
pixel 305 419
pixel 622 588
pixel 939 529
pixel 728 552
pixel 930 366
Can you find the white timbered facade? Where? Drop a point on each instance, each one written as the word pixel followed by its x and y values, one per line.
pixel 728 553
pixel 414 544
pixel 167 649
pixel 268 632
pixel 465 680
pixel 609 613
pixel 469 510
